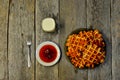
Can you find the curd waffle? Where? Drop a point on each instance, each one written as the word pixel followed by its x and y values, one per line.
pixel 86 49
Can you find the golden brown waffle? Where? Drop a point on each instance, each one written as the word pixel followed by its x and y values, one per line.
pixel 86 49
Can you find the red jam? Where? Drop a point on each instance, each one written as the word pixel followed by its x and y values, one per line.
pixel 48 53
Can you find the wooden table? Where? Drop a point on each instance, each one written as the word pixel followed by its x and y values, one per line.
pixel 20 19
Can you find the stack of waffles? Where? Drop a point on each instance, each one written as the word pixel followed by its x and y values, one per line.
pixel 86 49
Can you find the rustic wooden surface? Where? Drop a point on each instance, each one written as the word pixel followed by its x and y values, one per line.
pixel 115 28
pixel 21 19
pixel 69 12
pixel 4 4
pixel 98 16
pixel 46 9
pixel 21 26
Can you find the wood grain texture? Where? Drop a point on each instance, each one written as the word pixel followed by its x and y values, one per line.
pixel 43 9
pixel 72 16
pixel 21 26
pixel 21 19
pixel 115 28
pixel 4 7
pixel 98 16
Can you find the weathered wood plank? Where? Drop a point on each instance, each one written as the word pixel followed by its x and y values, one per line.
pixel 72 16
pixel 115 28
pixel 43 9
pixel 98 16
pixel 21 26
pixel 4 7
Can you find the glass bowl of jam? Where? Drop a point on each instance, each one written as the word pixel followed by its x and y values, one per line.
pixel 48 53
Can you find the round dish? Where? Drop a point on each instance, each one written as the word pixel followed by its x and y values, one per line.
pixel 49 61
pixel 83 49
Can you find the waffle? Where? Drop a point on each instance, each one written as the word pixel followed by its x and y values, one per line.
pixel 86 49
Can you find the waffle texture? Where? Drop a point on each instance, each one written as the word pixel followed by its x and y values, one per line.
pixel 86 49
